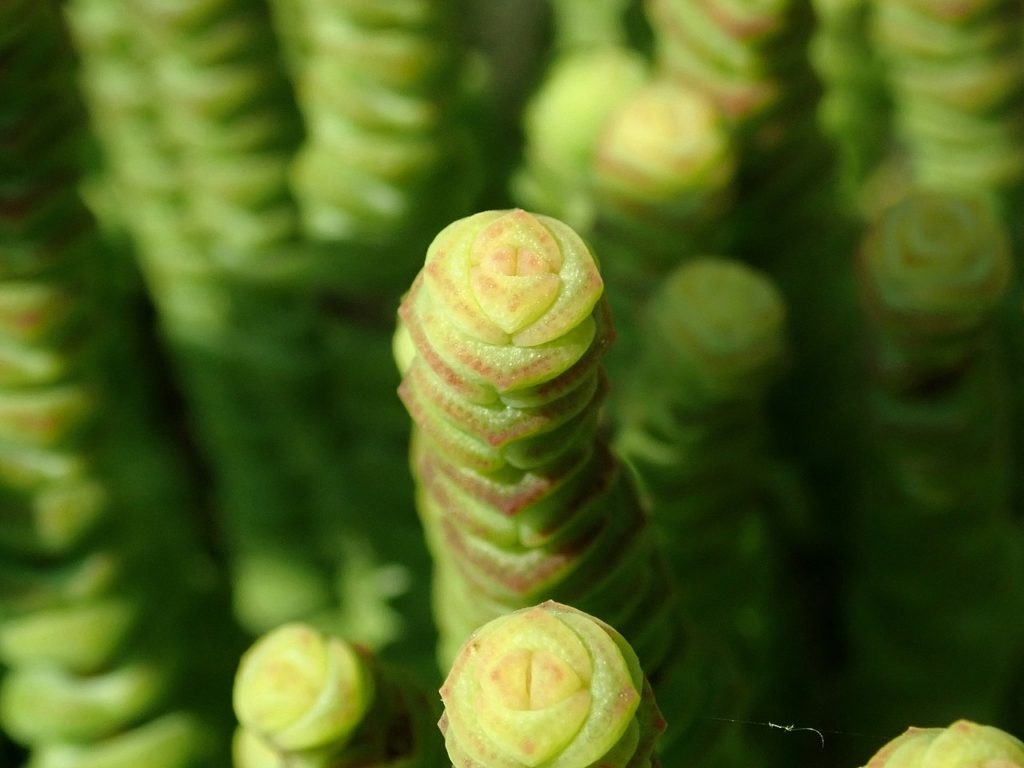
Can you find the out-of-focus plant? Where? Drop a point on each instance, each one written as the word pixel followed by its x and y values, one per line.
pixel 267 175
pixel 99 576
pixel 695 430
pixel 937 568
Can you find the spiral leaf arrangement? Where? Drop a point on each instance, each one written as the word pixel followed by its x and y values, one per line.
pixel 500 345
pixel 957 78
pixel 379 90
pixel 854 104
pixel 963 744
pixel 932 272
pixel 590 84
pixel 936 567
pixel 227 108
pixel 91 667
pixel 306 698
pixel 662 177
pixel 645 163
pixel 198 123
pixel 749 59
pixel 552 686
pixel 732 51
pixel 694 428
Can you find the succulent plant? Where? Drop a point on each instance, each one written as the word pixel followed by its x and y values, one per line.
pixel 215 358
pixel 662 175
pixel 93 670
pixel 935 559
pixel 855 104
pixel 933 271
pixel 694 428
pixel 590 83
pixel 548 685
pixel 962 745
pixel 305 698
pixel 955 72
pixel 500 344
pixel 213 116
pixel 379 87
pixel 730 50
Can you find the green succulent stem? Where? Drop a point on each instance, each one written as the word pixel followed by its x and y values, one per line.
pixel 955 75
pixel 93 670
pixel 694 427
pixel 379 88
pixel 500 343
pixel 933 541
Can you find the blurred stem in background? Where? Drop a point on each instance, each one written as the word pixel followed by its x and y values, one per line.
pixel 520 498
pixel 305 699
pixel 107 607
pixel 279 168
pixel 200 136
pixel 694 428
pixel 936 570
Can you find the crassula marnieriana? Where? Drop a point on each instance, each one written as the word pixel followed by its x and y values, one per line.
pixel 548 687
pixel 962 745
pixel 298 689
pixel 306 698
pixel 933 270
pixel 500 343
pixel 694 428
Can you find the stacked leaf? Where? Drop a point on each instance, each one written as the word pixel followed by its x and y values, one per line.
pixel 662 179
pixel 308 699
pixel 198 128
pixel 588 84
pixel 750 59
pixel 693 427
pixel 732 51
pixel 962 745
pixel 549 685
pixel 645 163
pixel 956 73
pixel 937 572
pixel 500 347
pixel 644 168
pixel 500 344
pixel 379 87
pixel 386 161
pixel 854 106
pixel 91 629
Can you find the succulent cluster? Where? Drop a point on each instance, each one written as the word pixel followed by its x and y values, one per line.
pixel 785 501
pixel 694 428
pixel 933 271
pixel 93 670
